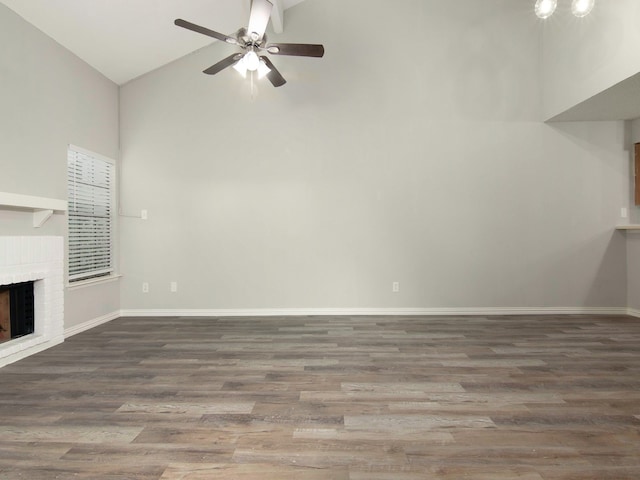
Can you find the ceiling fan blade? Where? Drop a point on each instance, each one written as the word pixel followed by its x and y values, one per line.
pixel 274 76
pixel 205 31
pixel 222 64
pixel 260 14
pixel 297 49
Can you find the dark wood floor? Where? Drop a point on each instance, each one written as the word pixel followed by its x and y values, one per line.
pixel 315 398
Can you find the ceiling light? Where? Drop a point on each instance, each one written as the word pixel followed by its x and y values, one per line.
pixel 251 60
pixel 581 8
pixel 545 8
pixel 241 67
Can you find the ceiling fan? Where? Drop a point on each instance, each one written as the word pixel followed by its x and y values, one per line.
pixel 253 42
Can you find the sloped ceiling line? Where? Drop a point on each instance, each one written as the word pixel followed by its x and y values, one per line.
pixel 125 39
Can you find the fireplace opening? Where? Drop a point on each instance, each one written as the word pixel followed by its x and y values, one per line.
pixel 17 316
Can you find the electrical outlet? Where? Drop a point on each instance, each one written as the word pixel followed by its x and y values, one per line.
pixel 395 287
pixel 145 287
pixel 624 213
pixel 173 286
pixel 144 215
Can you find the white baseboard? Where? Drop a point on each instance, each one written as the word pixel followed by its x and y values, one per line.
pixel 288 312
pixel 69 332
pixel 633 312
pixel 306 312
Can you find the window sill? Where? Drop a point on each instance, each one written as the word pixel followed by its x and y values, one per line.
pixel 93 281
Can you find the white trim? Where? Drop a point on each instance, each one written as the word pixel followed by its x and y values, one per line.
pixel 32 350
pixel 85 189
pixel 92 281
pixel 41 208
pixel 69 332
pixel 633 312
pixel 32 203
pixel 84 151
pixel 628 228
pixel 40 217
pixel 264 312
pixel 277 312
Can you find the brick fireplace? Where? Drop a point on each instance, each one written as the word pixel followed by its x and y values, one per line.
pixel 40 260
pixel 16 310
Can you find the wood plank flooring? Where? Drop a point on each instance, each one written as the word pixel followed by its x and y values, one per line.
pixel 316 398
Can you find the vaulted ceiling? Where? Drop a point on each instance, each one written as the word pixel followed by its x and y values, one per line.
pixel 124 39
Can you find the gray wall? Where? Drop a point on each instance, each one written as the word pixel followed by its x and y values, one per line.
pixel 633 239
pixel 412 152
pixel 48 99
pixel 583 57
pixel 633 255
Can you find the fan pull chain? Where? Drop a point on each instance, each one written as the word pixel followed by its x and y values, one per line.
pixel 253 87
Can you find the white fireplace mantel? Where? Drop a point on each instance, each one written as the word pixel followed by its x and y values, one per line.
pixel 41 207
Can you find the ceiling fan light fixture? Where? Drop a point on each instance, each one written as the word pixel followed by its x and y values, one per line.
pixel 241 68
pixel 582 8
pixel 251 61
pixel 545 8
pixel 263 70
pixel 252 41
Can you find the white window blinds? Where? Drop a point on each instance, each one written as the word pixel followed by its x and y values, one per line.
pixel 91 192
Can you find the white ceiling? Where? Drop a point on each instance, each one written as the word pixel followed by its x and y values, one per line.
pixel 619 102
pixel 124 39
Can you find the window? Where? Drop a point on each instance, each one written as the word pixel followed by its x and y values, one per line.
pixel 91 186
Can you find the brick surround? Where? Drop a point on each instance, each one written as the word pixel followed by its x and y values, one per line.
pixel 38 259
